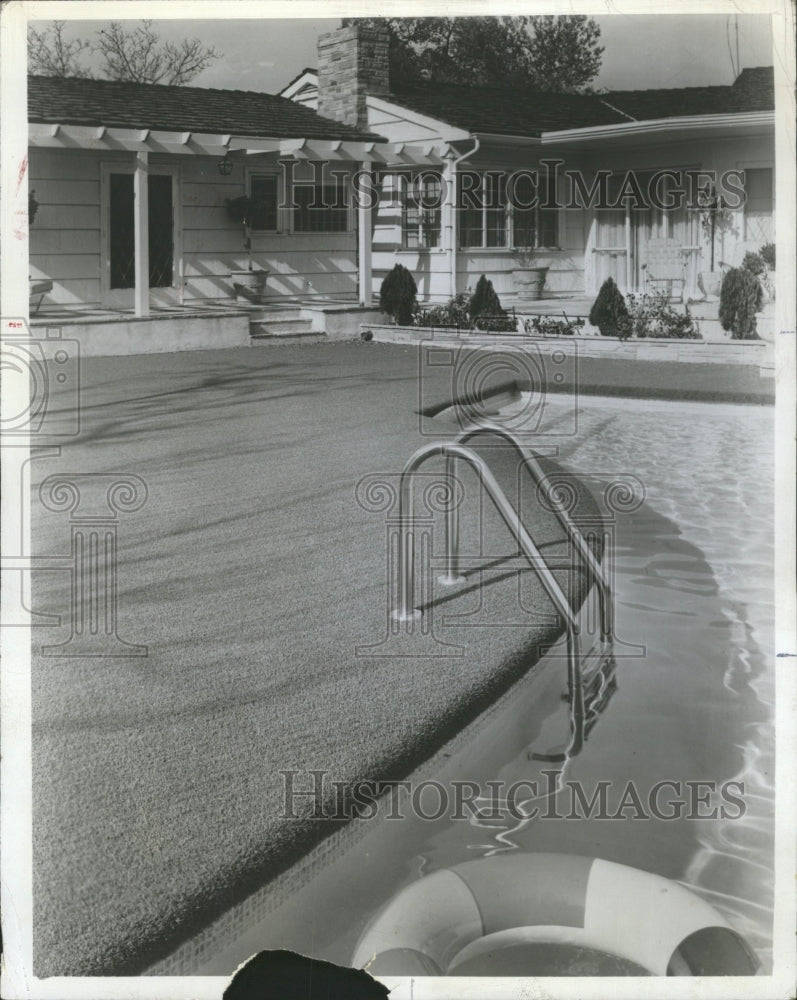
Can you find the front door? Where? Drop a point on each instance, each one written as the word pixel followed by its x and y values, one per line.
pixel 119 270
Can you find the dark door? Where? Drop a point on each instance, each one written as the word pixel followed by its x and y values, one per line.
pixel 122 231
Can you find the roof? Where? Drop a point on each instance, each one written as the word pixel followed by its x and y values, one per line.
pixel 76 101
pixel 523 112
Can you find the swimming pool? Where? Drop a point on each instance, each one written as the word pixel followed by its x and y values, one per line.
pixel 694 707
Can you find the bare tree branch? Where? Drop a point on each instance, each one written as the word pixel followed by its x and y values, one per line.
pixel 51 54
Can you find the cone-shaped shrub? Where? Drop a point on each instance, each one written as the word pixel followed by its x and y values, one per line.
pixel 741 296
pixel 397 295
pixel 609 311
pixel 485 301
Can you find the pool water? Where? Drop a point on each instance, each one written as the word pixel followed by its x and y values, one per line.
pixel 694 586
pixel 694 703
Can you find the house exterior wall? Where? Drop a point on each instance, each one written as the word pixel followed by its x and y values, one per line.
pixel 66 239
pixel 709 154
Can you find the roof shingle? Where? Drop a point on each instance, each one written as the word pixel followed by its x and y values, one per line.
pixel 523 112
pixel 74 101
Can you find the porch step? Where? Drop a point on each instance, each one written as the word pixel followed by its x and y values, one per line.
pixel 282 328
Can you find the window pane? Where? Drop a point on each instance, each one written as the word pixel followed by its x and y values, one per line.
pixel 420 216
pixel 548 227
pixel 320 209
pixel 525 227
pixel 264 195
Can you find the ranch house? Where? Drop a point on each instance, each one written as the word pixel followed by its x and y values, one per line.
pixel 133 182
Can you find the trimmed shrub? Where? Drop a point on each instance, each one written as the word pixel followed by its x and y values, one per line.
pixel 397 295
pixel 485 301
pixel 609 312
pixel 767 253
pixel 741 297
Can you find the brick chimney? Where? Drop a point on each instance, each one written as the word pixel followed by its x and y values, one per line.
pixel 352 62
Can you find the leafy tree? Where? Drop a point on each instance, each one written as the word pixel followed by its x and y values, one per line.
pixel 137 54
pixel 545 52
pixel 50 54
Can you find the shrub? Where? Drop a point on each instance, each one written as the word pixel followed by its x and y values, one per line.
pixel 741 297
pixel 503 323
pixel 609 311
pixel 453 313
pixel 485 301
pixel 654 316
pixel 551 326
pixel 397 295
pixel 767 253
pixel 754 263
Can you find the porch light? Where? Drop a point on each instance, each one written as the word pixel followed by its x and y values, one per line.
pixel 225 165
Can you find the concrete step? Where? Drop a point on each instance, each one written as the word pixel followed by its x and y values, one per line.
pixel 280 326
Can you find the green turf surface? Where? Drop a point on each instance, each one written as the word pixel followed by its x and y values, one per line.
pixel 251 574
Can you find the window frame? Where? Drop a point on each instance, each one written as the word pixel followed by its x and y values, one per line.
pixel 338 184
pixel 509 227
pixel 405 186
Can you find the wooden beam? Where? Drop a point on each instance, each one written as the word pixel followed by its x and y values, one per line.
pixel 141 236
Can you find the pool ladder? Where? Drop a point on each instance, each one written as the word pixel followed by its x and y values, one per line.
pixel 589 690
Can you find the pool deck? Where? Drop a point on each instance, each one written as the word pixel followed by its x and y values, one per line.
pixel 252 573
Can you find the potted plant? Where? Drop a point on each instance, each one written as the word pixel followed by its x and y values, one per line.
pixel 250 284
pixel 716 219
pixel 528 277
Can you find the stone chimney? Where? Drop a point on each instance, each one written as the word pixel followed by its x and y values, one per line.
pixel 352 62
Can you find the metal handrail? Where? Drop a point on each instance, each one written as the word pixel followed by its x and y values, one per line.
pixel 406 565
pixel 532 464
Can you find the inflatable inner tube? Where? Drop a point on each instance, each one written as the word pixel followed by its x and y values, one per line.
pixel 454 915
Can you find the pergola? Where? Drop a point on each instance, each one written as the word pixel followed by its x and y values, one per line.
pixel 141 143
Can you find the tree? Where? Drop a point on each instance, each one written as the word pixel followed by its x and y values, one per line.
pixel 50 54
pixel 137 54
pixel 545 52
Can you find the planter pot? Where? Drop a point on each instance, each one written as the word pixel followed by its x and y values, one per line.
pixel 249 286
pixel 710 283
pixel 529 282
pixel 768 287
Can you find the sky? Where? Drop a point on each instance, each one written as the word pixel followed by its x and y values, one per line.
pixel 641 51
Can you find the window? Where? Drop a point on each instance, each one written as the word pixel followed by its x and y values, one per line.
pixel 420 210
pixel 758 206
pixel 320 208
pixel 537 226
pixel 492 215
pixel 483 219
pixel 263 192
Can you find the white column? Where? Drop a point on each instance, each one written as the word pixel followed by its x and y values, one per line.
pixel 448 221
pixel 141 238
pixel 364 230
pixel 628 249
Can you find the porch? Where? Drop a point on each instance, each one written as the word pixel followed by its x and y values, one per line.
pixel 104 332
